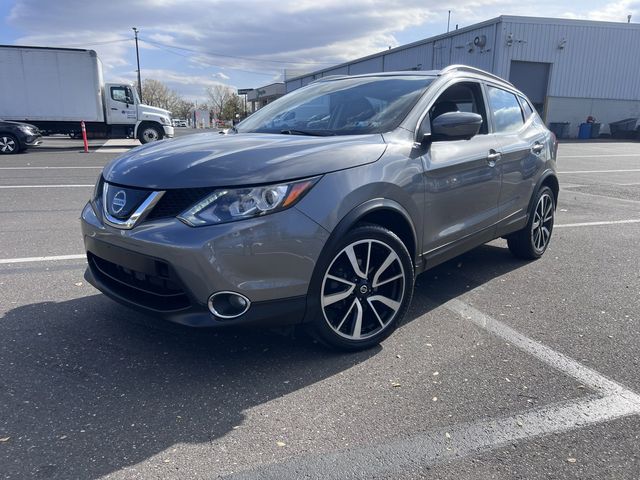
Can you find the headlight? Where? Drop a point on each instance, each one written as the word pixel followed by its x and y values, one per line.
pixel 165 121
pixel 26 129
pixel 230 205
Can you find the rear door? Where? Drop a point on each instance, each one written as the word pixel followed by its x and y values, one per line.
pixel 461 178
pixel 521 140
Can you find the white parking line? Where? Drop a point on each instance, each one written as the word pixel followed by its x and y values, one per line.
pixel 602 171
pixel 611 402
pixel 591 224
pixel 554 359
pixel 50 168
pixel 44 186
pixel 5 261
pixel 117 146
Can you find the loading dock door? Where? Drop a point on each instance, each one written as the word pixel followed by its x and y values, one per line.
pixel 532 78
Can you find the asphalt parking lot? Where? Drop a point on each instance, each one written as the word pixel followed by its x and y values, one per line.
pixel 502 369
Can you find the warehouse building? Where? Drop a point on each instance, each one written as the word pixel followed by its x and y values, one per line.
pixel 570 69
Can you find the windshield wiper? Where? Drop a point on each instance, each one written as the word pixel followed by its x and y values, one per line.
pixel 312 133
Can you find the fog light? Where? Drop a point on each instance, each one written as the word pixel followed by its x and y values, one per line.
pixel 228 305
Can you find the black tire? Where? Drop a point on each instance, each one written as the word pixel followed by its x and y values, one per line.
pixel 8 144
pixel 148 133
pixel 532 241
pixel 377 299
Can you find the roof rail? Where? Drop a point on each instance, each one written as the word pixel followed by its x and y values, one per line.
pixel 328 77
pixel 465 68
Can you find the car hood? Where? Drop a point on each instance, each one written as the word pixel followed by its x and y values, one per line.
pixel 212 159
pixel 9 122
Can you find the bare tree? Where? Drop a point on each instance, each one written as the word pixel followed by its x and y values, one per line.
pixel 183 109
pixel 219 95
pixel 157 94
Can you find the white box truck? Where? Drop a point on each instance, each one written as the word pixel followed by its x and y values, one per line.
pixel 57 88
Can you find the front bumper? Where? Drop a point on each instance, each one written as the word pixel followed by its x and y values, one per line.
pixel 31 140
pixel 167 269
pixel 169 131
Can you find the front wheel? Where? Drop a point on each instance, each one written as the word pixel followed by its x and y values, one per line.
pixel 364 291
pixel 8 144
pixel 149 133
pixel 532 241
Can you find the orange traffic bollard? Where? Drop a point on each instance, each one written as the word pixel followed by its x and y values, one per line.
pixel 84 137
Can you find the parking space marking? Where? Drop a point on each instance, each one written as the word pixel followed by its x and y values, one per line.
pixel 554 359
pixel 436 446
pixel 602 171
pixel 6 261
pixel 610 402
pixel 590 224
pixel 44 186
pixel 50 168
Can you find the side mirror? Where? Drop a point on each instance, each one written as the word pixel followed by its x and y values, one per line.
pixel 455 126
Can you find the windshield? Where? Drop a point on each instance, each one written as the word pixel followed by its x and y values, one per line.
pixel 347 106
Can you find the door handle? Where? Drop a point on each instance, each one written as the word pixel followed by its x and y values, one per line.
pixel 537 147
pixel 114 108
pixel 493 157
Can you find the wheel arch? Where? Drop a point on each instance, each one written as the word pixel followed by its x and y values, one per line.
pixel 380 211
pixel 548 179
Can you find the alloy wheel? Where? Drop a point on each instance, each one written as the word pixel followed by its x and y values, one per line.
pixel 7 145
pixel 363 289
pixel 542 222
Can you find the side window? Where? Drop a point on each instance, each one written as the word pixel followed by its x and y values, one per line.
pixel 507 114
pixel 122 94
pixel 526 108
pixel 461 97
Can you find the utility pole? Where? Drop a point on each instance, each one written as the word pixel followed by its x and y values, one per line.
pixel 448 21
pixel 135 31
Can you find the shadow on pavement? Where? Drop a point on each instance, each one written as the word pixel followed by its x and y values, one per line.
pixel 88 387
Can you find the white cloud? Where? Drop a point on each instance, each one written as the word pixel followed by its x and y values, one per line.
pixel 215 36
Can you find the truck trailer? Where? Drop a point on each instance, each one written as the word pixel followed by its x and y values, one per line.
pixel 57 88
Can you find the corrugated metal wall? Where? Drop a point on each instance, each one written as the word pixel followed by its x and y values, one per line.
pixel 367 66
pixel 419 57
pixel 596 61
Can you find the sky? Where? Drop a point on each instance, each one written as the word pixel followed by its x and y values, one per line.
pixel 192 44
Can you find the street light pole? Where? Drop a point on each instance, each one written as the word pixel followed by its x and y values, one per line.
pixel 135 31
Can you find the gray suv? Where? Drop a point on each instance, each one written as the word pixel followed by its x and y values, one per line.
pixel 323 206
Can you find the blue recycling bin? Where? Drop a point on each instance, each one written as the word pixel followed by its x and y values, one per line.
pixel 584 132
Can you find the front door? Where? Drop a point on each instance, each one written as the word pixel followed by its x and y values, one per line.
pixel 121 107
pixel 461 178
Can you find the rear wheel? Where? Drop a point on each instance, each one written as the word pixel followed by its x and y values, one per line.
pixel 8 144
pixel 365 289
pixel 149 133
pixel 532 241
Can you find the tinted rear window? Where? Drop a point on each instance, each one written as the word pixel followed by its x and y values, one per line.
pixel 507 114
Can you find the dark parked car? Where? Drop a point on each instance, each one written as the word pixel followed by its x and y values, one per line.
pixel 16 136
pixel 327 220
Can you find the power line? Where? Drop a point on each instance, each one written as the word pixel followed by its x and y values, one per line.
pixel 162 47
pixel 96 43
pixel 251 59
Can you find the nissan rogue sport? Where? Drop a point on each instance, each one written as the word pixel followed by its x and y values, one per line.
pixel 322 207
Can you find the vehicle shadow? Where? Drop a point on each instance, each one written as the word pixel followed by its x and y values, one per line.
pixel 88 387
